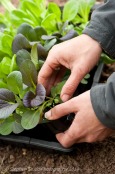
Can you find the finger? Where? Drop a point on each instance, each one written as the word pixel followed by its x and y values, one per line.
pixel 62 110
pixel 74 134
pixel 68 138
pixel 70 86
pixel 46 71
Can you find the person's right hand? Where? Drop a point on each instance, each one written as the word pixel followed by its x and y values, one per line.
pixel 79 54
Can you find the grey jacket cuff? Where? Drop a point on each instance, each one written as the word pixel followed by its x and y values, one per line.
pixel 103 102
pixel 102 27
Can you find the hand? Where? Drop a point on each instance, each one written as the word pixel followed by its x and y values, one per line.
pixel 85 127
pixel 79 55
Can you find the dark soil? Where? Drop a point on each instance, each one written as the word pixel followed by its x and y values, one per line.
pixel 95 158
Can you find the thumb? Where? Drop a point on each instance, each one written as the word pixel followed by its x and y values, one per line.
pixel 62 109
pixel 71 84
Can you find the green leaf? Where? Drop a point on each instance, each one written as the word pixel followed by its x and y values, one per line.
pixel 106 59
pixel 87 76
pixel 30 119
pixel 6 43
pixel 54 8
pixel 42 53
pixel 34 56
pixel 84 9
pixel 20 16
pixel 20 42
pixel 46 37
pixel 39 32
pixel 9 125
pixel 30 6
pixel 6 126
pixel 70 10
pixel 84 81
pixel 5 65
pixel 41 4
pixel 14 81
pixel 3 84
pixel 27 31
pixel 29 73
pixel 48 45
pixel 17 128
pixel 56 90
pixel 21 56
pixel 13 65
pixel 49 23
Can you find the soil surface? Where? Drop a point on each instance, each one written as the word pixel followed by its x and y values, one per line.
pixel 95 158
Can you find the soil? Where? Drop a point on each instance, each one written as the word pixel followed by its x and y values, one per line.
pixel 95 158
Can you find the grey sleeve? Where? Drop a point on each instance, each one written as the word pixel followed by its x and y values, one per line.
pixel 103 102
pixel 102 27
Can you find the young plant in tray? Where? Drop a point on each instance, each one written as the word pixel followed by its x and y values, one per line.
pixel 25 41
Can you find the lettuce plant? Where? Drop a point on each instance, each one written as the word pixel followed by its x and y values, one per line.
pixel 26 36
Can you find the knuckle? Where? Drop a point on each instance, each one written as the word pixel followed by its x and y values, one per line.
pixel 90 139
pixel 80 72
pixel 53 50
pixel 70 88
pixel 71 135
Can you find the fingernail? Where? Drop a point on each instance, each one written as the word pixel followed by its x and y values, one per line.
pixel 48 115
pixel 65 97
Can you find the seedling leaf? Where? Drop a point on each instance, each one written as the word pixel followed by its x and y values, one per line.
pixel 14 81
pixel 50 44
pixel 34 56
pixel 17 128
pixel 27 31
pixel 56 90
pixel 20 42
pixel 6 95
pixel 21 56
pixel 39 32
pixel 30 119
pixel 33 100
pixel 29 73
pixel 71 34
pixel 6 126
pixel 70 10
pixel 42 53
pixel 5 65
pixel 7 110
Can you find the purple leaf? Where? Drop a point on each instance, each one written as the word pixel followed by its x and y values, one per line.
pixel 27 99
pixel 32 100
pixel 6 95
pixel 71 34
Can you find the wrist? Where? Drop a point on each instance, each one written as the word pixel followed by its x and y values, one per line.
pixel 95 44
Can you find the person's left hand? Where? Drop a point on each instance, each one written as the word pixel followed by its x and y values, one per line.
pixel 85 127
